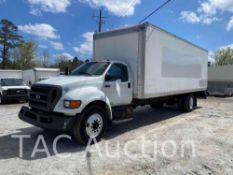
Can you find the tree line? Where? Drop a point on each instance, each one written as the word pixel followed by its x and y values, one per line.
pixel 18 53
pixel 224 56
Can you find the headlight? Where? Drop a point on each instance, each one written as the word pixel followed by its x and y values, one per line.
pixel 72 104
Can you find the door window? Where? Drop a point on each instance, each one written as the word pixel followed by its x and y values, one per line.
pixel 118 71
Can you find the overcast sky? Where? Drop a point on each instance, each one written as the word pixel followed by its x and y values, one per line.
pixel 66 26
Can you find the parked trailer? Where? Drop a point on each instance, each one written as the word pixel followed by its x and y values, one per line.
pixel 34 75
pixel 139 65
pixel 220 80
pixel 11 74
pixel 12 86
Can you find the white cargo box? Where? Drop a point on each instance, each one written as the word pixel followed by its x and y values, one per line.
pixel 220 73
pixel 220 80
pixel 17 74
pixel 161 63
pixel 32 76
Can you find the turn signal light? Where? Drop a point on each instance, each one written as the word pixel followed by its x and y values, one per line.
pixel 72 104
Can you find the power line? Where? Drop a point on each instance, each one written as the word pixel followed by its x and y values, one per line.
pixel 157 9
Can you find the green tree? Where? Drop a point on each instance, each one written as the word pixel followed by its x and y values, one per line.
pixel 9 39
pixel 75 63
pixel 223 56
pixel 65 62
pixel 24 55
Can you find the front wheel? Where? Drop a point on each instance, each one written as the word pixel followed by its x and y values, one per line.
pixel 1 100
pixel 90 126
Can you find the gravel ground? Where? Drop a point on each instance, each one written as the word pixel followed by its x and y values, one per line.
pixel 160 141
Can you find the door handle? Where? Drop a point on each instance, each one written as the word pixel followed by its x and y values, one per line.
pixel 129 85
pixel 107 86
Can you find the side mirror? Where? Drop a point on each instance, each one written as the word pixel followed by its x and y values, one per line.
pixel 108 77
pixel 67 71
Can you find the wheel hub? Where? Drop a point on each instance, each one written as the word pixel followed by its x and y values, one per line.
pixel 94 125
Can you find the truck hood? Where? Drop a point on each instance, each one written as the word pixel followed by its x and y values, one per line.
pixel 14 87
pixel 70 81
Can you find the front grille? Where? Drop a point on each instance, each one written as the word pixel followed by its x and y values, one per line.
pixel 16 91
pixel 44 97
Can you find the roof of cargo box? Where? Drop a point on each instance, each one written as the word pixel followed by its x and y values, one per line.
pixel 140 27
pixel 44 69
pixel 5 70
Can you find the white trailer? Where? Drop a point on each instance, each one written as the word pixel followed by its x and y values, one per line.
pixel 12 86
pixel 34 75
pixel 220 80
pixel 11 74
pixel 139 65
pixel 162 64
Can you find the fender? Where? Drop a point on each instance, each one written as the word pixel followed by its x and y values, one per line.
pixel 86 95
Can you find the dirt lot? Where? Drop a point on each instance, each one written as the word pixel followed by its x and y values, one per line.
pixel 209 129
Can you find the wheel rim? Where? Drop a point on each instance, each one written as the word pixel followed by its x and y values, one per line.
pixel 191 103
pixel 94 125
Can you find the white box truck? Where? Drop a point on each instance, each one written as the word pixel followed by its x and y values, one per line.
pixel 220 80
pixel 134 66
pixel 12 86
pixel 34 75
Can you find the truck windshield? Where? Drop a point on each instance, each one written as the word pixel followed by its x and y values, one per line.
pixel 90 69
pixel 12 82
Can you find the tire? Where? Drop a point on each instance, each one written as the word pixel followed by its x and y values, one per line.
pixel 157 105
pixel 181 104
pixel 91 124
pixel 187 103
pixel 195 102
pixel 1 100
pixel 23 101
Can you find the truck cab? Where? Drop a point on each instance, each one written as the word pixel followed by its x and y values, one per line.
pixel 93 89
pixel 13 89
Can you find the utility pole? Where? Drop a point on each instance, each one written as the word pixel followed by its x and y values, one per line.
pixel 100 20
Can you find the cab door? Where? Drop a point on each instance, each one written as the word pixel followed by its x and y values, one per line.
pixel 118 85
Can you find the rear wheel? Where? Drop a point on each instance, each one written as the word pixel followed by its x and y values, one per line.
pixel 187 103
pixel 90 125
